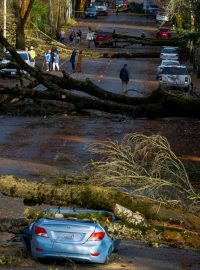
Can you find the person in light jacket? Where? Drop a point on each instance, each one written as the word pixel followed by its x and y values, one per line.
pixel 89 38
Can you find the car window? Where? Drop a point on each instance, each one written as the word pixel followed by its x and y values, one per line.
pixel 175 71
pixel 171 50
pixel 103 34
pixel 164 30
pixel 99 4
pixel 24 56
pixel 90 9
pixel 169 63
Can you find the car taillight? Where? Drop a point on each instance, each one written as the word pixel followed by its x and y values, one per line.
pixel 96 236
pixel 95 254
pixel 186 79
pixel 39 231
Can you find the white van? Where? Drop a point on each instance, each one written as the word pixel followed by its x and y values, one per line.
pixel 7 72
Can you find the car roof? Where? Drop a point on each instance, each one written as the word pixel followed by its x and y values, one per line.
pixel 176 66
pixel 164 28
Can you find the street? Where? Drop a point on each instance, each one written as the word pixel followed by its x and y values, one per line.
pixel 49 145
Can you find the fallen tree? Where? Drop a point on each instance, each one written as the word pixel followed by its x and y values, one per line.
pixel 158 104
pixel 142 218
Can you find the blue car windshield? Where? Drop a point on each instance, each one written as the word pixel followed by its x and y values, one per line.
pixel 24 56
pixel 91 9
pixel 169 51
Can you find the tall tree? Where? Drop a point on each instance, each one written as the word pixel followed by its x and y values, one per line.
pixel 22 10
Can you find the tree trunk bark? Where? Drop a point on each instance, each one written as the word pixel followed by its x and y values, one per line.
pixel 20 36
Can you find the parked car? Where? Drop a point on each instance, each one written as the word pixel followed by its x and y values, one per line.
pixel 164 63
pixel 103 37
pixel 102 7
pixel 162 17
pixel 169 53
pixel 119 3
pixel 152 9
pixel 91 12
pixel 175 77
pixel 69 237
pixel 163 33
pixel 12 72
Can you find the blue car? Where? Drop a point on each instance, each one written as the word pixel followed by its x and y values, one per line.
pixel 82 240
pixel 91 12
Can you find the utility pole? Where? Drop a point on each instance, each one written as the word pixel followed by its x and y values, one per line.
pixel 4 18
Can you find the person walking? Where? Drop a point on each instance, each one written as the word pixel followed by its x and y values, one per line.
pixel 56 61
pixel 89 38
pixel 47 58
pixel 79 62
pixel 78 36
pixel 32 52
pixel 73 59
pixel 143 36
pixel 117 10
pixel 62 36
pixel 124 76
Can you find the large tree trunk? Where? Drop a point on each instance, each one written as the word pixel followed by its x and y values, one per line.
pixel 22 11
pixel 135 211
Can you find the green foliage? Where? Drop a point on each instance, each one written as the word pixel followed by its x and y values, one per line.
pixel 39 14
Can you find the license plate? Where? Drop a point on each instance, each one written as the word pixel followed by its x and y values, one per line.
pixel 67 236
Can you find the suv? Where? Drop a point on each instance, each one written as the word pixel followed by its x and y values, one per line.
pixel 102 7
pixel 164 63
pixel 7 72
pixel 175 77
pixel 169 53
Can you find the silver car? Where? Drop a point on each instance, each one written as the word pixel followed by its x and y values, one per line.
pixel 164 63
pixel 9 72
pixel 175 77
pixel 169 53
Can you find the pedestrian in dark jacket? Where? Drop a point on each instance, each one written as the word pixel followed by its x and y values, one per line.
pixel 73 59
pixel 124 76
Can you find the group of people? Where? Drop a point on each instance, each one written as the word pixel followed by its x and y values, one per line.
pixel 51 58
pixel 75 37
pixel 31 52
pixel 76 67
